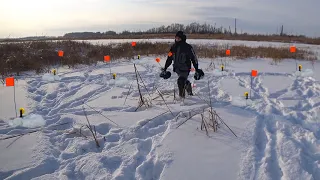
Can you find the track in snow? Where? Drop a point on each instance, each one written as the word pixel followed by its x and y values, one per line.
pixel 284 143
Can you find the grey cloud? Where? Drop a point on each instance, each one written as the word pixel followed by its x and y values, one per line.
pixel 210 11
pixel 264 18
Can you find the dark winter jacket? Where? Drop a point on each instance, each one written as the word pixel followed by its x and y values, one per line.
pixel 182 54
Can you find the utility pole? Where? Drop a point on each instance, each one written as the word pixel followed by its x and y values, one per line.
pixel 281 31
pixel 235 26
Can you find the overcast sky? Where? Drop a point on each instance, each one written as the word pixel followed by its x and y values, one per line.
pixel 55 17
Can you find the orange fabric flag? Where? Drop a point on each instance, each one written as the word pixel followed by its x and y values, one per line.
pixel 60 53
pixel 10 81
pixel 228 52
pixel 293 49
pixel 254 73
pixel 106 58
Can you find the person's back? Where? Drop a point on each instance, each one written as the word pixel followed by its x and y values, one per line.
pixel 182 57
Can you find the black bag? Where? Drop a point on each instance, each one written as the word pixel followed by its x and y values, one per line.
pixel 165 74
pixel 199 74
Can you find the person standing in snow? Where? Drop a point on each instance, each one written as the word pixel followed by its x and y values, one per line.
pixel 182 55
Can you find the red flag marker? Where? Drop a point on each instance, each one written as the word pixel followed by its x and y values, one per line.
pixel 254 73
pixel 228 52
pixel 60 53
pixel 293 49
pixel 106 58
pixel 10 81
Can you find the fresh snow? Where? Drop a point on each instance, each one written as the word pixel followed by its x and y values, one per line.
pixel 30 121
pixel 278 128
pixel 50 77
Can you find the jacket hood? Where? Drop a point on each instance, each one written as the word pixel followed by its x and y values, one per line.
pixel 181 35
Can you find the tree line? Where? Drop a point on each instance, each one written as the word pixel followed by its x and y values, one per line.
pixel 192 28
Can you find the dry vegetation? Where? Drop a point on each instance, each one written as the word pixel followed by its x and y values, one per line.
pixel 39 56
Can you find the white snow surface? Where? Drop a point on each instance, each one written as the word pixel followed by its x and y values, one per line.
pixel 278 128
pixel 50 77
pixel 29 121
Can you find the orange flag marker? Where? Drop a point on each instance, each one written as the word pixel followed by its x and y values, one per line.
pixel 293 49
pixel 254 73
pixel 106 58
pixel 228 52
pixel 60 53
pixel 10 81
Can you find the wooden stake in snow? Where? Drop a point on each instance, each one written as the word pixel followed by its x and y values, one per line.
pixel 214 122
pixel 214 116
pixel 143 101
pixel 90 127
pixel 141 97
pixel 203 123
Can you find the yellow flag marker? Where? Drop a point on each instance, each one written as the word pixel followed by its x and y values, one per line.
pixel 22 111
pixel 246 94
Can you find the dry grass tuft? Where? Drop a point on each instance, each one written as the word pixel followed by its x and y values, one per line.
pixel 39 56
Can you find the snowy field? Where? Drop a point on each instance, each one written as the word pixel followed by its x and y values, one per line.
pixel 278 128
pixel 214 42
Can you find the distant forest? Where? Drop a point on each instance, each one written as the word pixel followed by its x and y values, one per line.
pixel 192 28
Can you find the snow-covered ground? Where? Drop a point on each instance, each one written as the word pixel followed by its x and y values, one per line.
pixel 278 129
pixel 215 42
